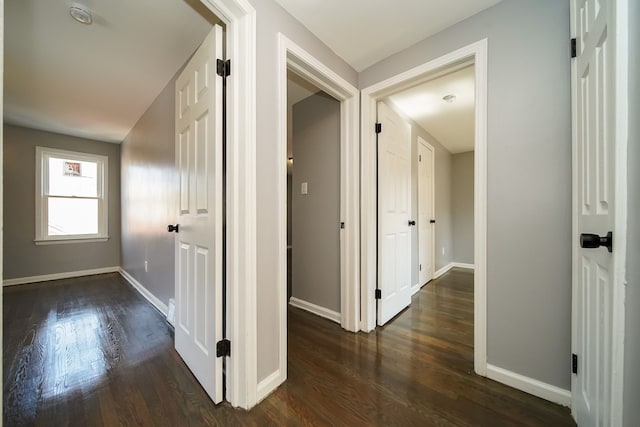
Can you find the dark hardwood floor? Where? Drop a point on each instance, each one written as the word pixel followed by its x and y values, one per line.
pixel 92 352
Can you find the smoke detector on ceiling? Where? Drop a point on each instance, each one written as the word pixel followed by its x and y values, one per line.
pixel 81 14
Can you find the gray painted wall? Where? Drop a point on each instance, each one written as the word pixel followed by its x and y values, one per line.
pixel 271 19
pixel 632 337
pixel 316 215
pixel 529 177
pixel 462 206
pixel 22 258
pixel 149 191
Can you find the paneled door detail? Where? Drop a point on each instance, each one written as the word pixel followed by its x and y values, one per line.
pixel 394 230
pixel 198 243
pixel 594 160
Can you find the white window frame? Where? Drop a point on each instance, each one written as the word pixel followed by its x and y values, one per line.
pixel 42 183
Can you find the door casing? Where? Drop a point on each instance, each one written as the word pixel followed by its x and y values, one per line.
pixel 239 18
pixel 293 57
pixel 475 53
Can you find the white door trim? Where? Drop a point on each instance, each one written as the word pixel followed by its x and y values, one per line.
pixel 293 57
pixel 621 108
pixel 240 20
pixel 474 53
pixel 432 243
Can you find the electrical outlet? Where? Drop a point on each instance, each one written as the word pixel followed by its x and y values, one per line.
pixel 146 266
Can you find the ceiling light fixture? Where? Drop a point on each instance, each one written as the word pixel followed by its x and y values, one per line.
pixel 81 14
pixel 449 98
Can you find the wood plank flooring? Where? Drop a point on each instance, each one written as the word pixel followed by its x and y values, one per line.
pixel 92 352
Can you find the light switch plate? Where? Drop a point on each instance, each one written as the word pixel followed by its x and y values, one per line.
pixel 304 188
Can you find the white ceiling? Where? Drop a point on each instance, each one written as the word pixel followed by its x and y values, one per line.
pixel 452 124
pixel 363 32
pixel 94 81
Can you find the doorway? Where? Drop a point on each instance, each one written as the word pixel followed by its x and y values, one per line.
pixel 442 112
pixel 292 57
pixel 474 54
pixel 313 199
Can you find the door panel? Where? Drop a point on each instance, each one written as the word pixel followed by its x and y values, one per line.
pixel 592 77
pixel 425 213
pixel 394 188
pixel 199 240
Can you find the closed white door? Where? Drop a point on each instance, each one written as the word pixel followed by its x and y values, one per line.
pixel 594 163
pixel 426 228
pixel 198 280
pixel 394 231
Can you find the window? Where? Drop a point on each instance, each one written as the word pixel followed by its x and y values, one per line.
pixel 71 196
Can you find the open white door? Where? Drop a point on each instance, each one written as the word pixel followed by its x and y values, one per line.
pixel 198 280
pixel 593 72
pixel 394 237
pixel 425 212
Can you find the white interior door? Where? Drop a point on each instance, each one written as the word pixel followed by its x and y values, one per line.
pixel 198 281
pixel 594 164
pixel 394 236
pixel 426 228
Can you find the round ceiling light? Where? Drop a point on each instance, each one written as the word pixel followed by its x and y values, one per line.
pixel 81 14
pixel 449 98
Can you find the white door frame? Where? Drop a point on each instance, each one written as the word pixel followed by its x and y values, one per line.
pixel 432 242
pixel 475 53
pixel 1 171
pixel 293 57
pixel 240 21
pixel 621 125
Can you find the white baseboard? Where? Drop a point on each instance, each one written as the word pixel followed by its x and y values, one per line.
pixel 529 385
pixel 57 276
pixel 162 307
pixel 269 384
pixel 463 265
pixel 443 270
pixel 415 288
pixel 316 309
pixel 451 265
pixel 171 312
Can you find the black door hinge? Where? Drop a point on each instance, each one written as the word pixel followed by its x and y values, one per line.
pixel 378 127
pixel 378 294
pixel 223 67
pixel 574 363
pixel 419 157
pixel 420 267
pixel 223 348
pixel 574 48
pixel 341 224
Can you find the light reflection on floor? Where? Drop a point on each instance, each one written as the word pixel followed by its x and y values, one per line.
pixel 72 352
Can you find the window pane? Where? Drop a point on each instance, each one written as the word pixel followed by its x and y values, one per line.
pixel 72 178
pixel 72 216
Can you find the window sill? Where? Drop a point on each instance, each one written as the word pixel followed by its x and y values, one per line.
pixel 73 240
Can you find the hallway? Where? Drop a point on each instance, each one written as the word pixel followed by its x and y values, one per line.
pixel 91 351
